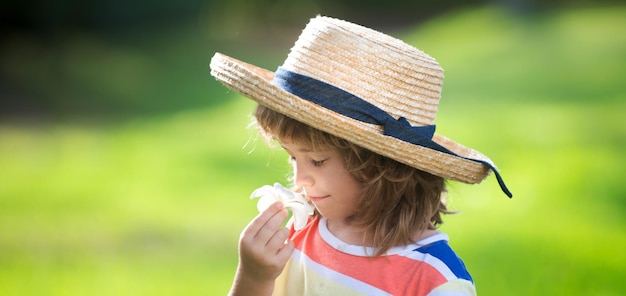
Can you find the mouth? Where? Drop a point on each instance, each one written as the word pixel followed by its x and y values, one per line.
pixel 317 198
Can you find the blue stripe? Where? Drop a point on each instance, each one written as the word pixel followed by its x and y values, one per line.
pixel 442 251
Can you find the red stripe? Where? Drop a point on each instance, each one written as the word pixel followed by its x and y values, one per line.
pixel 394 274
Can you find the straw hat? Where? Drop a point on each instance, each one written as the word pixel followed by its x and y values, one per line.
pixel 366 87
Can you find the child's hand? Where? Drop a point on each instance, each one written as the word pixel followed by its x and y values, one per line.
pixel 263 252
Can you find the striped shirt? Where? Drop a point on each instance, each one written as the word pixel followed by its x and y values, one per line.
pixel 324 265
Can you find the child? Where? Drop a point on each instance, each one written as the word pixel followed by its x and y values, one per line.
pixel 354 109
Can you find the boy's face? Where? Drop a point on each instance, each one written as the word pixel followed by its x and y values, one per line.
pixel 332 189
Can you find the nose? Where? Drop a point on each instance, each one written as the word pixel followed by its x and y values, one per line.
pixel 301 176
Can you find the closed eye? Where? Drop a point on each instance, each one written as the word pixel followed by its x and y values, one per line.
pixel 317 163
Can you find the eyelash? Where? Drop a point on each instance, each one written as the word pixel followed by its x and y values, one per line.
pixel 315 163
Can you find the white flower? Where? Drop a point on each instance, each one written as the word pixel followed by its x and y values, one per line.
pixel 300 208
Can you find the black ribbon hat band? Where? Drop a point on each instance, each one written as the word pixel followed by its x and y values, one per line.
pixel 347 104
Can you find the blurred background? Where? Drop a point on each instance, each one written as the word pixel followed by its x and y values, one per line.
pixel 125 168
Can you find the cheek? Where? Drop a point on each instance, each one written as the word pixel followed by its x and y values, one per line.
pixel 349 186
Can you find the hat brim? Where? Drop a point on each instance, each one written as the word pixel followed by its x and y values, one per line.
pixel 256 83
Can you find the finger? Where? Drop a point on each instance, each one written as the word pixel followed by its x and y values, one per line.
pixel 271 227
pixel 285 252
pixel 260 220
pixel 278 240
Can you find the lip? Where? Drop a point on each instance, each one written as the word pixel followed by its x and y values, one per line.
pixel 317 198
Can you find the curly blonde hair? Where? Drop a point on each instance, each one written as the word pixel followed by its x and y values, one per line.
pixel 397 200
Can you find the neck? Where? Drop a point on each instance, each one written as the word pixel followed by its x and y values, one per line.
pixel 346 231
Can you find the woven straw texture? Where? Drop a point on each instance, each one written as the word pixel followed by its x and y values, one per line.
pixel 378 68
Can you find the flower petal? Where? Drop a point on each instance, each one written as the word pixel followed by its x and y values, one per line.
pixel 299 213
pixel 265 202
pixel 265 190
pixel 300 207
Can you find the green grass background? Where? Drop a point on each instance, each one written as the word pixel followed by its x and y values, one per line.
pixel 154 205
